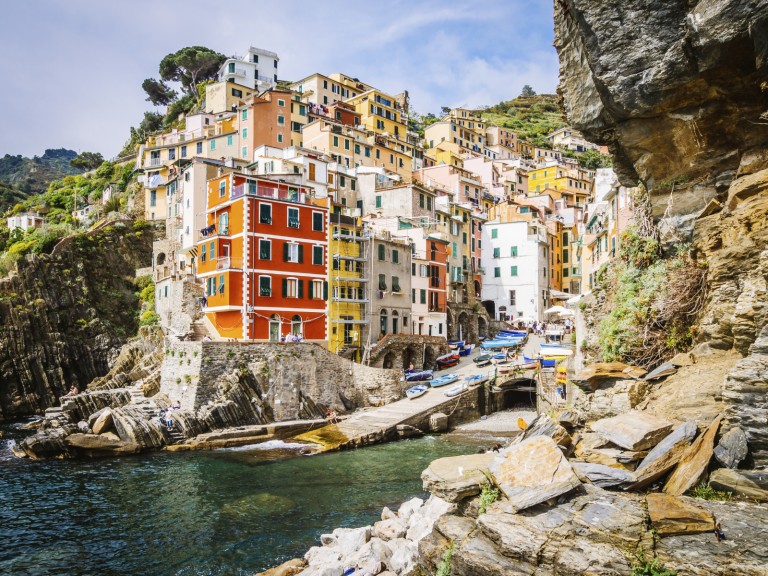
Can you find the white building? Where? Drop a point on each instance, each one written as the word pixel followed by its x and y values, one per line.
pixel 514 257
pixel 25 221
pixel 256 69
pixel 570 139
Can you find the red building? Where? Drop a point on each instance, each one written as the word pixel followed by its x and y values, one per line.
pixel 264 259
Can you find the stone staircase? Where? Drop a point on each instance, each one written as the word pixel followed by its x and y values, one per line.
pixel 198 331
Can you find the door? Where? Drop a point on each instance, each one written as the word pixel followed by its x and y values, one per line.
pixel 274 330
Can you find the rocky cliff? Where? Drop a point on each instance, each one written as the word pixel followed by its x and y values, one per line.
pixel 65 316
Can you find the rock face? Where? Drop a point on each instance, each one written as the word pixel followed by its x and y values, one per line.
pixel 665 455
pixel 693 463
pixel 751 484
pixel 532 472
pixel 671 515
pixel 457 477
pixel 661 82
pixel 633 430
pixel 732 448
pixel 64 317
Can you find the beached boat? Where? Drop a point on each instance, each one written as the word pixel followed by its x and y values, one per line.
pixel 466 350
pixel 554 345
pixel 475 379
pixel 512 334
pixel 456 390
pixel 447 360
pixel 456 344
pixel 510 367
pixel 502 343
pixel 416 391
pixel 483 359
pixel 443 380
pixel 418 375
pixel 560 351
pixel 546 361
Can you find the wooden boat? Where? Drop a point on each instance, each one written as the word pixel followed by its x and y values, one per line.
pixel 456 390
pixel 483 359
pixel 512 334
pixel 466 350
pixel 418 375
pixel 443 380
pixel 501 343
pixel 475 379
pixel 509 367
pixel 546 361
pixel 456 344
pixel 416 391
pixel 447 360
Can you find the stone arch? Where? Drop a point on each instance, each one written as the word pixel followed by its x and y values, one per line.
pixel 490 307
pixel 462 327
pixel 430 357
pixel 411 355
pixel 160 260
pixel 389 360
pixel 482 327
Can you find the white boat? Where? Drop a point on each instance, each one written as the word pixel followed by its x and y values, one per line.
pixel 443 380
pixel 456 390
pixel 548 352
pixel 509 367
pixel 416 391
pixel 476 379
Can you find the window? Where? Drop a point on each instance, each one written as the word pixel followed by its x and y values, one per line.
pixel 171 154
pixel 229 139
pixel 382 252
pixel 293 252
pixel 280 137
pixel 513 251
pixel 203 255
pixel 244 115
pixel 367 152
pixel 317 221
pixel 565 255
pixel 494 233
pixel 378 201
pixel 422 296
pixel 245 134
pixel 317 255
pixel 224 223
pixel 199 149
pixel 265 286
pixel 429 203
pixel 293 217
pixel 346 144
pixel 512 298
pixel 497 252
pixel 382 281
pixel 396 284
pixel 265 213
pixel 265 250
pixel 212 286
pixel 222 188
pixel 336 141
pixel 153 198
pixel 395 256
pixel 316 289
pixel 565 238
pixel 221 284
pixel 352 184
pixel 497 272
pixel 183 151
pixel 293 288
pixel 279 101
pixel 513 271
pixel 231 67
pixel 281 120
pixel 413 295
pixel 213 144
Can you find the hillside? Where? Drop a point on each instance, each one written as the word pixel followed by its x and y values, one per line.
pixel 532 118
pixel 21 177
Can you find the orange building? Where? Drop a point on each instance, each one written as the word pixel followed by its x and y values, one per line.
pixel 265 120
pixel 263 259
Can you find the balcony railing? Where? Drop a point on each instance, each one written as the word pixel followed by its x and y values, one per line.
pixel 265 292
pixel 154 162
pixel 229 263
pixel 280 193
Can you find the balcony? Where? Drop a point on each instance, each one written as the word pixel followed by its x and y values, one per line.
pixel 434 282
pixel 351 300
pixel 152 162
pixel 228 263
pixel 279 193
pixel 350 237
pixel 438 309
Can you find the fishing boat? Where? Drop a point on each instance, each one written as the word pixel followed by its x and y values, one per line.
pixel 456 344
pixel 475 379
pixel 483 359
pixel 456 390
pixel 510 367
pixel 418 375
pixel 560 351
pixel 447 360
pixel 547 361
pixel 512 334
pixel 416 391
pixel 502 343
pixel 466 350
pixel 443 380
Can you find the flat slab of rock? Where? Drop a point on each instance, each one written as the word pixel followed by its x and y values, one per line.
pixel 671 515
pixel 600 475
pixel 751 484
pixel 533 472
pixel 665 455
pixel 666 369
pixel 694 462
pixel 543 425
pixel 457 477
pixel 732 448
pixel 594 374
pixel 100 443
pixel 633 430
pixel 290 568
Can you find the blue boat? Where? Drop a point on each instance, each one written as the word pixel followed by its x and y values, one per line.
pixel 466 350
pixel 418 375
pixel 546 362
pixel 512 333
pixel 502 343
pixel 416 391
pixel 456 344
pixel 475 379
pixel 553 345
pixel 443 380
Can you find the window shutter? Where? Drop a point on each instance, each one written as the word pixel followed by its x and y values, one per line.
pixel 285 287
pixel 301 288
pixel 301 253
pixel 311 288
pixel 325 290
pixel 285 251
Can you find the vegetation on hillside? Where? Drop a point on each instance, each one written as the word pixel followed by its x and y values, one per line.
pixel 532 118
pixel 21 177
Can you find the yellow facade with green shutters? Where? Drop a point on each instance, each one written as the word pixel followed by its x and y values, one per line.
pixel 348 285
pixel 380 113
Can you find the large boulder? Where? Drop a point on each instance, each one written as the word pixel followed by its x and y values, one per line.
pixel 672 515
pixel 289 568
pixel 633 430
pixel 103 422
pixel 422 520
pixel 457 477
pixel 665 455
pixel 133 427
pixel 390 529
pixel 99 444
pixel 595 374
pixel 601 475
pixel 752 484
pixel 693 463
pixel 350 540
pixel 533 472
pixel 543 425
pixel 408 507
pixel 732 448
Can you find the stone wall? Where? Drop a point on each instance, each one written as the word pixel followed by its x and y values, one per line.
pixel 398 351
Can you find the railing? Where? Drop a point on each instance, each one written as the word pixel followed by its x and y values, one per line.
pixel 265 292
pixel 155 162
pixel 434 282
pixel 436 309
pixel 293 223
pixel 289 195
pixel 229 263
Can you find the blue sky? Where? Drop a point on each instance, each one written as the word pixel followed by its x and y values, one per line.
pixel 72 69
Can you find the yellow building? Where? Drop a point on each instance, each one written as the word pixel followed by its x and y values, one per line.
pixel 348 282
pixel 222 96
pixel 380 113
pixel 299 119
pixel 461 127
pixel 447 153
pixel 573 185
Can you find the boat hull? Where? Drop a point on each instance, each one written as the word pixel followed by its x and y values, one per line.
pixel 416 391
pixel 443 380
pixel 456 390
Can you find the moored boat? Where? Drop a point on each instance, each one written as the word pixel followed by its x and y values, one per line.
pixel 416 391
pixel 502 343
pixel 483 359
pixel 456 390
pixel 475 379
pixel 443 380
pixel 447 360
pixel 418 375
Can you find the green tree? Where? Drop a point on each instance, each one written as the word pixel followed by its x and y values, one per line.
pixel 158 92
pixel 87 161
pixel 191 65
pixel 592 159
pixel 527 92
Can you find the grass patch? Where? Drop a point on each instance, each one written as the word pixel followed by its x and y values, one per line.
pixel 488 495
pixel 445 567
pixel 644 566
pixel 706 492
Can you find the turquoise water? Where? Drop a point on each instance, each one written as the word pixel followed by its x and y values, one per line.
pixel 226 512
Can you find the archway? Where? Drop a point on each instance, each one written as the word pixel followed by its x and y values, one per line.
pixel 296 325
pixel 430 357
pixel 411 356
pixel 482 327
pixel 160 260
pixel 274 328
pixel 389 360
pixel 490 307
pixel 463 327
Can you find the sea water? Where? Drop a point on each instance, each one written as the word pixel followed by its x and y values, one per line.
pixel 227 512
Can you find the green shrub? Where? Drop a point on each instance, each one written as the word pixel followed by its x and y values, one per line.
pixel 706 492
pixel 643 566
pixel 149 318
pixel 445 567
pixel 488 495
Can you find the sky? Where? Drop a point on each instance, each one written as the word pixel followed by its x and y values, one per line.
pixel 72 69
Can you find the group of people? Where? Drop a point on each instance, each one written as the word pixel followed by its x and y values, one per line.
pixel 292 338
pixel 166 416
